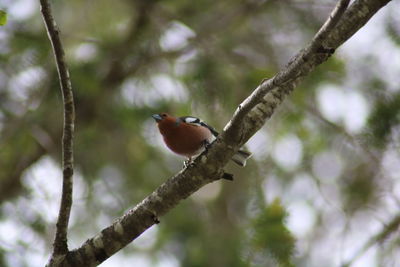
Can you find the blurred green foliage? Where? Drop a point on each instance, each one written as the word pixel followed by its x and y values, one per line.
pixel 384 117
pixel 3 18
pixel 272 235
pixel 131 59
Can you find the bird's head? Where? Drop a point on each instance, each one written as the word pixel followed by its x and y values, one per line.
pixel 162 117
pixel 166 123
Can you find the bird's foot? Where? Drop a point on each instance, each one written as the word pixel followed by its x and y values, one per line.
pixel 188 162
pixel 206 144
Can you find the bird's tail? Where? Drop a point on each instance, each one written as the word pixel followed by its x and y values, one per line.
pixel 240 157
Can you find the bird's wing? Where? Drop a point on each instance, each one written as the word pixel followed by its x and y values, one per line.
pixel 198 122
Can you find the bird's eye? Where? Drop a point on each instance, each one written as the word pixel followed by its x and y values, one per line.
pixel 163 115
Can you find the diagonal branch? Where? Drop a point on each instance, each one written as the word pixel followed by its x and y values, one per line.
pixel 293 70
pixel 387 230
pixel 60 246
pixel 208 166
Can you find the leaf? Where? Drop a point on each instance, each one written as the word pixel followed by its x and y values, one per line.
pixel 271 234
pixel 3 18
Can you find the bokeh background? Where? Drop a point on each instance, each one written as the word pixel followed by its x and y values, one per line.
pixel 325 175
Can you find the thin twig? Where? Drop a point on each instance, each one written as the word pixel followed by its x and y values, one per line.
pixel 60 246
pixel 391 227
pixel 330 23
pixel 374 159
pixel 117 69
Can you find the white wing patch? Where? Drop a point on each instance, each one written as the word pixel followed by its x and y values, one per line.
pixel 198 122
pixel 192 120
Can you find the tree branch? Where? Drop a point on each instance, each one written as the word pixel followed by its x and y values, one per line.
pixel 391 227
pixel 260 105
pixel 294 69
pixel 60 246
pixel 208 167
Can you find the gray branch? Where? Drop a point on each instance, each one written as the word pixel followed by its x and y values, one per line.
pixel 255 107
pixel 60 246
pixel 247 120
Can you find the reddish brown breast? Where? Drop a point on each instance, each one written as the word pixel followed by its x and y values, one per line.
pixel 183 138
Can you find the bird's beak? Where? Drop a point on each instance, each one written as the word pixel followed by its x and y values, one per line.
pixel 157 117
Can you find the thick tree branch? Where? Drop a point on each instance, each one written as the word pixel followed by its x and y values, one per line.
pixel 260 105
pixel 60 246
pixel 208 166
pixel 293 68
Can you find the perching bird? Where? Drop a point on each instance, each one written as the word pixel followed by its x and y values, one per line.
pixel 189 136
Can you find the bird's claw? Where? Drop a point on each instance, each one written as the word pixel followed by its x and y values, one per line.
pixel 205 144
pixel 188 163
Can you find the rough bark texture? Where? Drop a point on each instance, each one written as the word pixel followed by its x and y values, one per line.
pixel 248 119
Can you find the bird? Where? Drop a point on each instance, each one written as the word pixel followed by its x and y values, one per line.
pixel 189 136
